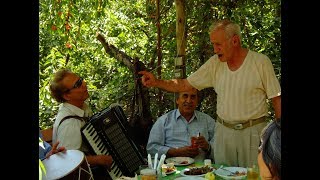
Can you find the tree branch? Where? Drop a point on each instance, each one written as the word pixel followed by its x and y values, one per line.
pixel 116 53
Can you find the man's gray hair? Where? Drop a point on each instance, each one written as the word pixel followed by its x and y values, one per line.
pixel 228 26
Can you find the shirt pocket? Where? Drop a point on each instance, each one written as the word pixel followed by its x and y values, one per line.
pixel 180 136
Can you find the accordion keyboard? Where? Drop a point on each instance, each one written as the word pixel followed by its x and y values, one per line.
pixel 100 149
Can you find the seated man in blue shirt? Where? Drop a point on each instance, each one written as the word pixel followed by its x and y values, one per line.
pixel 171 133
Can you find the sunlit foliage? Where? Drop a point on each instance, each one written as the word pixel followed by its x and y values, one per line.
pixel 67 39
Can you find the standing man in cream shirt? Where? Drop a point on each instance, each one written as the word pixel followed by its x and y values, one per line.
pixel 243 80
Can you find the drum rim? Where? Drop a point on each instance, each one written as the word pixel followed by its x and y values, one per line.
pixel 45 177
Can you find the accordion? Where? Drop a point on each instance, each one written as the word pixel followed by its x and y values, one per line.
pixel 106 133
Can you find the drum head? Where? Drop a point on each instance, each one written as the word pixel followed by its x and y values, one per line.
pixel 61 164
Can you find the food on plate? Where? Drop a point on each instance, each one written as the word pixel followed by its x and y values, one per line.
pixel 232 172
pixel 237 173
pixel 199 170
pixel 168 168
pixel 184 162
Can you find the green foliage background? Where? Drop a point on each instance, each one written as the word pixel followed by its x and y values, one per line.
pixel 67 39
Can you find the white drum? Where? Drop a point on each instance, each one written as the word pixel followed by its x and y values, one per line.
pixel 69 165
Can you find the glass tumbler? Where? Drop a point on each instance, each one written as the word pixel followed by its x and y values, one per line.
pixel 253 173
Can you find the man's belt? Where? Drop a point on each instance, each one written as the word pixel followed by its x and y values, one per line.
pixel 243 125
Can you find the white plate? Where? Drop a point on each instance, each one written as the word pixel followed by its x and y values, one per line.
pixel 190 178
pixel 171 172
pixel 187 169
pixel 224 174
pixel 178 160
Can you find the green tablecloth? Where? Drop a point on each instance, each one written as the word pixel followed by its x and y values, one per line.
pixel 180 168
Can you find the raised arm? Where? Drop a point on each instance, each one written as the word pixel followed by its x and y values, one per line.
pixel 172 85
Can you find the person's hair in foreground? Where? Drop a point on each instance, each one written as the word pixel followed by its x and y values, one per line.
pixel 271 149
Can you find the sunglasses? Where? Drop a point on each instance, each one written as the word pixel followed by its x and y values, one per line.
pixel 77 84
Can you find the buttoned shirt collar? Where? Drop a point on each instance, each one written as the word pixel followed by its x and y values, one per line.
pixel 179 116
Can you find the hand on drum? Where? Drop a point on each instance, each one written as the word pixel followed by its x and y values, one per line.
pixel 55 150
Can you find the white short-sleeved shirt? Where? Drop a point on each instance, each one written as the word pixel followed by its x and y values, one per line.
pixel 69 132
pixel 241 94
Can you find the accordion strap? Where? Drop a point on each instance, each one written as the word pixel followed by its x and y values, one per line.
pixel 85 119
pixel 68 117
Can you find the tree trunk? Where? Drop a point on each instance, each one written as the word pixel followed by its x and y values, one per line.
pixel 142 121
pixel 180 67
